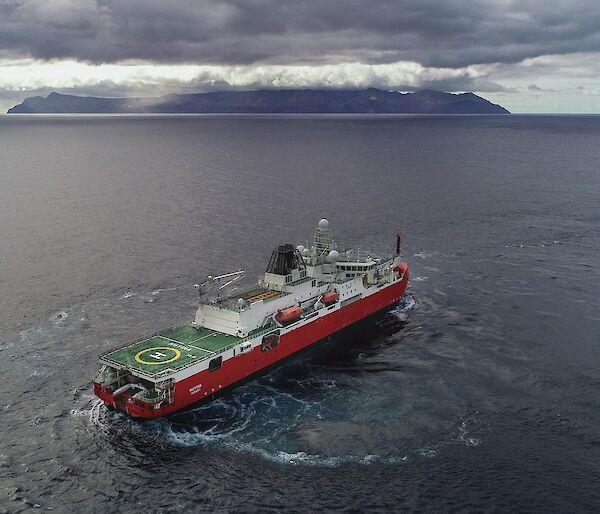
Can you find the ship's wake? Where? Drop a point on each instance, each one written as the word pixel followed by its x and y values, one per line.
pixel 279 427
pixel 301 414
pixel 306 413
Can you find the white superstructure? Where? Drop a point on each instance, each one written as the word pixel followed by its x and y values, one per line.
pixel 297 276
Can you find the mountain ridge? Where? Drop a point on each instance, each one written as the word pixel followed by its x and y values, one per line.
pixel 268 101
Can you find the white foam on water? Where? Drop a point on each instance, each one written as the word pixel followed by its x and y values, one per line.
pixel 407 303
pixel 60 316
pixel 173 288
pixel 33 335
pixel 242 428
pixel 465 437
pixel 94 412
pixel 423 255
pixel 258 427
pixel 427 452
pixel 307 459
pixel 279 456
pixel 239 427
pixel 79 412
pixel 402 311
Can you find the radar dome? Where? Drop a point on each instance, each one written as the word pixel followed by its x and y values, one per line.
pixel 323 223
pixel 306 252
pixel 300 248
pixel 334 255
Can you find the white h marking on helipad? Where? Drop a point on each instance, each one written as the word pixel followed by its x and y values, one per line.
pixel 157 355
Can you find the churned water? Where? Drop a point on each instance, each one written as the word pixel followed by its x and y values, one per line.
pixel 479 392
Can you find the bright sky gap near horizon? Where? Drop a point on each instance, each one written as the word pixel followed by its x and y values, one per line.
pixel 528 56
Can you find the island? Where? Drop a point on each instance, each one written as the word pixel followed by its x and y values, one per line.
pixel 270 101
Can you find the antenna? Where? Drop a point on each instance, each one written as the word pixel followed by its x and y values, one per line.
pixel 207 285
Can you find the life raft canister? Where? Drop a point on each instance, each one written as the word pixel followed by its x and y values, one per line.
pixel 329 298
pixel 288 315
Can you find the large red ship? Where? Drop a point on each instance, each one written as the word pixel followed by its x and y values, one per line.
pixel 306 295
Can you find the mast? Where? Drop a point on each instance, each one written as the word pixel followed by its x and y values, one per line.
pixel 323 242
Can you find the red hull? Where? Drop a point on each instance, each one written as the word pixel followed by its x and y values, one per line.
pixel 206 383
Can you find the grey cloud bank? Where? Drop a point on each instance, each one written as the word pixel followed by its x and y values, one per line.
pixel 448 33
pixel 454 45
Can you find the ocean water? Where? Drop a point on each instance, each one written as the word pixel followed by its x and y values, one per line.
pixel 479 392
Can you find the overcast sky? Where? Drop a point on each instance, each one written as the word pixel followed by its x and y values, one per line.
pixel 528 55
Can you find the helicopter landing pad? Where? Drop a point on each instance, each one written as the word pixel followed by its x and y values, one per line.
pixel 170 351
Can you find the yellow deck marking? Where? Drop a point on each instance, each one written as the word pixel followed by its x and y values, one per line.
pixel 142 361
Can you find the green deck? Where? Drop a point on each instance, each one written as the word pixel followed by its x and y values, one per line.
pixel 171 350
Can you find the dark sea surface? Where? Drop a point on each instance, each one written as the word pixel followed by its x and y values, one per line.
pixel 480 392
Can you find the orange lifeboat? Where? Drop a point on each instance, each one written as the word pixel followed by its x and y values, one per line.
pixel 288 315
pixel 401 268
pixel 329 298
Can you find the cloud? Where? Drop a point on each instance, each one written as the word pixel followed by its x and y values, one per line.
pixel 432 33
pixel 118 79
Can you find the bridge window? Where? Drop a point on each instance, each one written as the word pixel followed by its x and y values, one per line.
pixel 215 363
